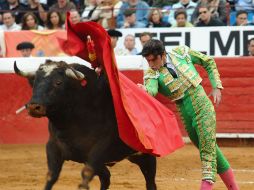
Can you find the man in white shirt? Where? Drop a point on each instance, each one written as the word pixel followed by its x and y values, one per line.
pixel 75 16
pixel 9 23
pixel 129 44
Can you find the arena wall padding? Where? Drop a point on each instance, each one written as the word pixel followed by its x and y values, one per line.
pixel 234 115
pixel 18 128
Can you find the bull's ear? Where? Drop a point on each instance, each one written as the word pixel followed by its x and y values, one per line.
pixel 72 73
pixel 48 61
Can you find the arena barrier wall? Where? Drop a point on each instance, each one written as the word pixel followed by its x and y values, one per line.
pixel 235 114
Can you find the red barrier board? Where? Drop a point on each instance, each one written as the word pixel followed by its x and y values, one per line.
pixel 234 115
pixel 18 128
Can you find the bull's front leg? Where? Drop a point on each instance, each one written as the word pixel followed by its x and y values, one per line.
pixel 87 174
pixel 147 164
pixel 55 162
pixel 95 165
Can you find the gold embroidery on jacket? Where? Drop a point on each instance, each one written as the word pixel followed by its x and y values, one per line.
pixel 168 79
pixel 164 71
pixel 150 73
pixel 213 71
pixel 183 67
pixel 177 87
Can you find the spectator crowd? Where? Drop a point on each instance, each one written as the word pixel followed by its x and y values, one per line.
pixel 18 15
pixel 50 14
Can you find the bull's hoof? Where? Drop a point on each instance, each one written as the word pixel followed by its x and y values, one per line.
pixel 83 187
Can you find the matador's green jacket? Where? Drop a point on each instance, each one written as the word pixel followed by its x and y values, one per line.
pixel 183 59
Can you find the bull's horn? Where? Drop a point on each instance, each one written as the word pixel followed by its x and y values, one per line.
pixel 22 73
pixel 74 74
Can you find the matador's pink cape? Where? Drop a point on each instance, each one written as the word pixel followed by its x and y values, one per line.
pixel 143 123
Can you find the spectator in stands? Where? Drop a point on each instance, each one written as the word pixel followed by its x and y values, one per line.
pixel 63 6
pixel 251 47
pixel 241 18
pixel 54 21
pixel 90 6
pixel 25 2
pixel 79 4
pixel 30 22
pixel 206 19
pixel 217 9
pixel 188 5
pixel 25 48
pixel 106 12
pixel 114 36
pixel 130 20
pixel 247 5
pixel 181 19
pixel 39 10
pixel 3 3
pixel 75 16
pixel 155 19
pixel 160 3
pixel 17 8
pixel 143 38
pixel 142 11
pixel 9 23
pixel 50 2
pixel 129 44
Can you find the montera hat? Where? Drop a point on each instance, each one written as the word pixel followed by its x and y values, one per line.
pixel 25 45
pixel 114 33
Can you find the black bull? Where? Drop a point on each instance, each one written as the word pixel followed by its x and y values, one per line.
pixel 82 123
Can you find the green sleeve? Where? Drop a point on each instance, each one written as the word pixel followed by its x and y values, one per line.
pixel 209 65
pixel 152 86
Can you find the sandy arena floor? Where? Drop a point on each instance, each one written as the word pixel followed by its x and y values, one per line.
pixel 23 167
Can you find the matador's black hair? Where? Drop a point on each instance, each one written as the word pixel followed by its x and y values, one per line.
pixel 153 47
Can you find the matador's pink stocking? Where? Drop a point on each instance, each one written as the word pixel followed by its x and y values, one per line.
pixel 205 185
pixel 229 180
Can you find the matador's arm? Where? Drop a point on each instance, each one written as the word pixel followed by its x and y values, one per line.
pixel 209 65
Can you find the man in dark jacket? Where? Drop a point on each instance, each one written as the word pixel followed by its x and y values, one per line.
pixel 206 19
pixel 17 9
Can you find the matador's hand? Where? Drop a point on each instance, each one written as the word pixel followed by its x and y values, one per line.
pixel 141 86
pixel 216 93
pixel 98 70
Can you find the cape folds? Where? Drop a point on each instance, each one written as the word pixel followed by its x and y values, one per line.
pixel 143 123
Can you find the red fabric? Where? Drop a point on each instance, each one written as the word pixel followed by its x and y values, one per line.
pixel 143 123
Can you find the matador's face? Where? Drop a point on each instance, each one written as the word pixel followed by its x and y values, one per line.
pixel 155 62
